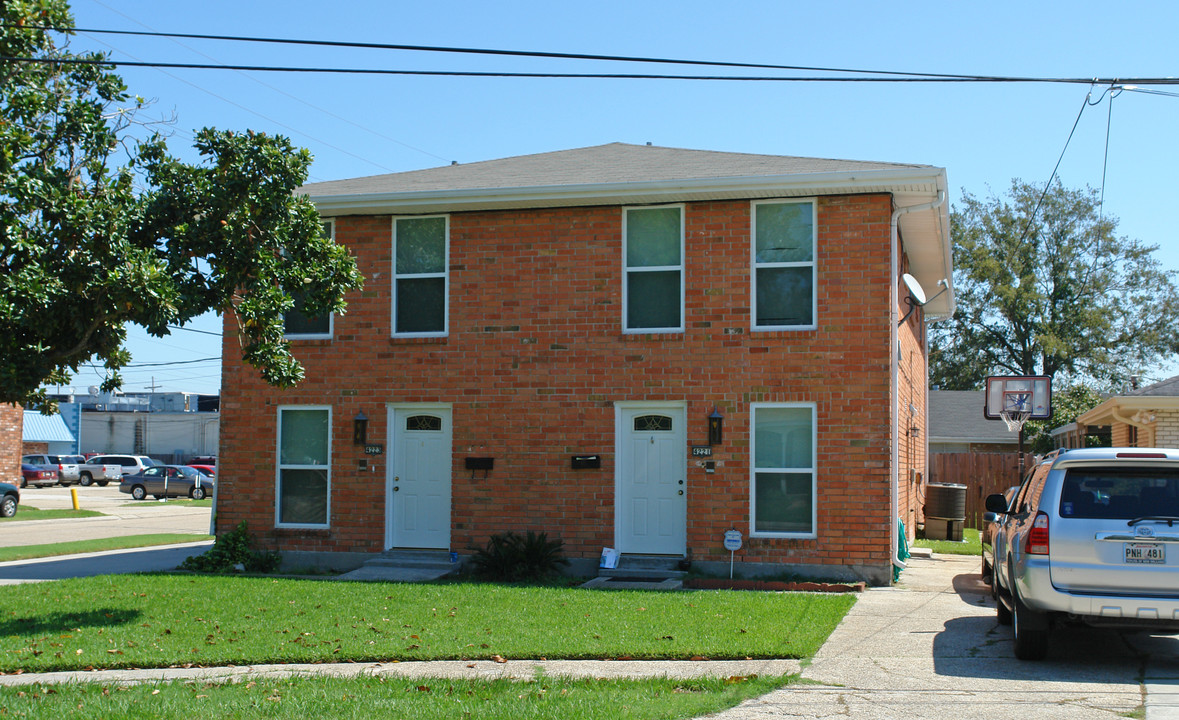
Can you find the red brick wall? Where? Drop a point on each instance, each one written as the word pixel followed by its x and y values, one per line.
pixel 913 430
pixel 12 422
pixel 535 360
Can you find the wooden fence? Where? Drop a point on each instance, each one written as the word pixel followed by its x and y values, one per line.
pixel 981 473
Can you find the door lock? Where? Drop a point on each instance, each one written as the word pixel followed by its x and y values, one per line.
pixel 681 492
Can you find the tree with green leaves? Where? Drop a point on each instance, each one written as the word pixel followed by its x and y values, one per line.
pixel 101 226
pixel 1046 286
pixel 1067 403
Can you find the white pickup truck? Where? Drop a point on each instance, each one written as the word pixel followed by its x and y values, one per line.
pixel 99 473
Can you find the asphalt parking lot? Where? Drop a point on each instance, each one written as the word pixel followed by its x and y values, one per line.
pixel 122 516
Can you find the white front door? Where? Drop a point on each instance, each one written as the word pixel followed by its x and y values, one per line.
pixel 417 505
pixel 651 497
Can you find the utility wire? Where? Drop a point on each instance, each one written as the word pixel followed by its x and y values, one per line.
pixel 1027 226
pixel 600 76
pixel 488 51
pixel 296 98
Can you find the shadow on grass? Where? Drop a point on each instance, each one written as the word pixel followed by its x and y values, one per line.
pixel 64 622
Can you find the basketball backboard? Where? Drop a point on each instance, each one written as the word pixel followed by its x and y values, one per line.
pixel 1018 394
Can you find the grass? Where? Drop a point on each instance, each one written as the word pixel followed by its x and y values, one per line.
pixel 25 512
pixel 28 552
pixel 163 620
pixel 971 544
pixel 368 697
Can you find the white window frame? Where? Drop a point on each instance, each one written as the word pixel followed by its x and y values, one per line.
pixel 812 264
pixel 445 275
pixel 626 271
pixel 279 467
pixel 331 223
pixel 812 471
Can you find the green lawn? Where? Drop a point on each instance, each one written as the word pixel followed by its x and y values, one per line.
pixel 26 512
pixel 162 620
pixel 970 544
pixel 27 552
pixel 366 698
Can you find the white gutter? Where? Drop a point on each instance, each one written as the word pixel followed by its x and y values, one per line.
pixel 894 180
pixel 894 472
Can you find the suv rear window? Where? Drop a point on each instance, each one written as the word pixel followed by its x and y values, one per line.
pixel 1119 493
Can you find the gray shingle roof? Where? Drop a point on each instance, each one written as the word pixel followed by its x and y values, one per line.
pixel 600 164
pixel 957 416
pixel 1163 388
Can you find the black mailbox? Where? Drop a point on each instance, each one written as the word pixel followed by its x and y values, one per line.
pixel 581 462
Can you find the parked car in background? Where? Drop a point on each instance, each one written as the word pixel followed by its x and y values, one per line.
pixel 991 522
pixel 203 460
pixel 167 481
pixel 67 465
pixel 9 499
pixel 1090 538
pixel 128 464
pixel 38 475
pixel 99 473
pixel 209 471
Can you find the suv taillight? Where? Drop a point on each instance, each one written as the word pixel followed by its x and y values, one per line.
pixel 1037 543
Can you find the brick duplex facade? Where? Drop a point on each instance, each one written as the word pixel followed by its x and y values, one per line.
pixel 535 367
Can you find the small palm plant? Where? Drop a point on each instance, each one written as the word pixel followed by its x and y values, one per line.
pixel 511 557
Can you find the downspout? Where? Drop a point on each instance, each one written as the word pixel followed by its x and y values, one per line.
pixel 895 479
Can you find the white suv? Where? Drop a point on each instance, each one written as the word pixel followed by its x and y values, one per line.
pixel 131 464
pixel 1091 537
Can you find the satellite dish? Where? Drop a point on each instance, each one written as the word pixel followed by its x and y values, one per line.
pixel 93 390
pixel 915 289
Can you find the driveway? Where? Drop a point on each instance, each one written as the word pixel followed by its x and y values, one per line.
pixel 930 648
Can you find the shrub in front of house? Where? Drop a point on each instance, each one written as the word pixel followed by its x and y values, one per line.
pixel 231 553
pixel 511 557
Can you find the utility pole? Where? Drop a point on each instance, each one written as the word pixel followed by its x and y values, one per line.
pixel 147 420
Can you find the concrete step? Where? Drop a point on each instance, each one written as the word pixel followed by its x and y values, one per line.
pixel 405 566
pixel 645 568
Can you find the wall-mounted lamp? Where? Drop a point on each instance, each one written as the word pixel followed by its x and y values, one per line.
pixel 359 429
pixel 915 431
pixel 716 427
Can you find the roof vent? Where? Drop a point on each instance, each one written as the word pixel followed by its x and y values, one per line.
pixel 648 144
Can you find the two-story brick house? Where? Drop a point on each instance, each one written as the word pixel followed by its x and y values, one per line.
pixel 542 341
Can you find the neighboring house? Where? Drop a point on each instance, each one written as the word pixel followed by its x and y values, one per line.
pixel 12 419
pixel 1145 417
pixel 957 425
pixel 543 342
pixel 46 434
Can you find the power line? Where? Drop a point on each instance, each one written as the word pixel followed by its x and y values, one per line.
pixel 592 76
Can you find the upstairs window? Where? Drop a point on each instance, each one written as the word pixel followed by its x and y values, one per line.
pixel 299 326
pixel 420 282
pixel 653 249
pixel 784 265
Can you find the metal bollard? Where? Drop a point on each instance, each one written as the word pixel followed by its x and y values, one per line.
pixel 74 496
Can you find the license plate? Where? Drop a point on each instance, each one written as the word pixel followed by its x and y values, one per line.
pixel 1146 553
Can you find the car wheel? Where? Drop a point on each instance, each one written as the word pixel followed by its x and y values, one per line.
pixel 138 492
pixel 1030 644
pixel 8 506
pixel 101 483
pixel 197 493
pixel 85 479
pixel 1002 614
pixel 23 483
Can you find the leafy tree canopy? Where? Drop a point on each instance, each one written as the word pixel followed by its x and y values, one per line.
pixel 1067 404
pixel 101 227
pixel 1051 291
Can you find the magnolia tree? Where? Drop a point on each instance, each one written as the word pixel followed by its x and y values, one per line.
pixel 101 226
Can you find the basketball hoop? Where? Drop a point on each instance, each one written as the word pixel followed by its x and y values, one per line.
pixel 1014 419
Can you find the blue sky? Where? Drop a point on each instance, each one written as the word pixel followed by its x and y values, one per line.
pixel 983 134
